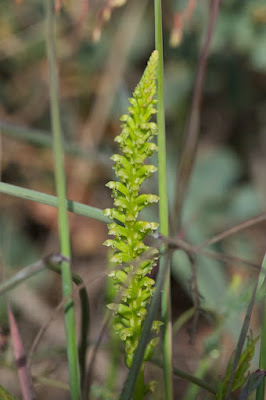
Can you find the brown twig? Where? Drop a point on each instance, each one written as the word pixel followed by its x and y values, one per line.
pixel 192 130
pixel 59 307
pixel 190 249
pixel 179 21
pixel 88 379
pixel 195 298
pixel 231 231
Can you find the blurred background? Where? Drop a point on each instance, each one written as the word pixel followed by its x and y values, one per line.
pixel 102 51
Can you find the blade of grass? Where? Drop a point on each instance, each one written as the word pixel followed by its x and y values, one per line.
pixel 261 389
pixel 242 336
pixel 33 195
pixel 29 271
pixel 190 378
pixel 183 319
pixel 163 206
pixel 5 395
pixel 254 380
pixel 70 326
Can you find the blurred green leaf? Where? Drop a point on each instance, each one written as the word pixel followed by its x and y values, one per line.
pixel 5 395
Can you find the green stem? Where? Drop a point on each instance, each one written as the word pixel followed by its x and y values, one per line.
pixel 43 198
pixel 188 377
pixel 163 206
pixel 28 272
pixel 72 352
pixel 139 388
pixel 261 389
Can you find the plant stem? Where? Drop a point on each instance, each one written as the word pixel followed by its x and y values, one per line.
pixel 261 389
pixel 43 198
pixel 139 388
pixel 188 377
pixel 163 206
pixel 28 272
pixel 72 352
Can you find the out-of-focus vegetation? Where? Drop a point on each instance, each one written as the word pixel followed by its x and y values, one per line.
pixel 100 61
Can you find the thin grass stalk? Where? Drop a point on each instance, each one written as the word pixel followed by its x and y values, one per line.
pixel 188 377
pixel 43 198
pixel 28 272
pixel 163 205
pixel 242 337
pixel 261 389
pixel 72 352
pixel 139 388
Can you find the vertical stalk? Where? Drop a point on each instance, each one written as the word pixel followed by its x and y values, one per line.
pixel 261 389
pixel 139 388
pixel 62 205
pixel 163 205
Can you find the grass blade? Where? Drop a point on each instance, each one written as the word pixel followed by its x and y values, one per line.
pixel 261 389
pixel 72 353
pixel 254 380
pixel 39 197
pixel 5 395
pixel 242 337
pixel 163 206
pixel 29 271
pixel 189 378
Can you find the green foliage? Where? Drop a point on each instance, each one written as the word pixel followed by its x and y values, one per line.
pixel 5 395
pixel 241 375
pixel 129 232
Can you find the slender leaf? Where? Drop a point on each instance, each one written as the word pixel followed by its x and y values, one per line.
pixel 33 195
pixel 252 384
pixel 242 338
pixel 163 205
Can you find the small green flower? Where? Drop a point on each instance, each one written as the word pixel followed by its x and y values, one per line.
pixel 128 230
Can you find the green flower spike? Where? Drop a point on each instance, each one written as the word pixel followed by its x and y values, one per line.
pixel 129 232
